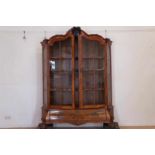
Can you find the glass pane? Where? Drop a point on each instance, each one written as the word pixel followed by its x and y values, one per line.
pixel 60 71
pixel 99 64
pixel 88 80
pixel 92 64
pixel 61 80
pixel 88 64
pixel 61 49
pixel 92 72
pixel 88 48
pixel 92 49
pixel 55 80
pixel 60 65
pixel 59 97
pixel 88 97
pixel 66 49
pixel 99 96
pixel 55 65
pixel 99 80
pixel 56 97
pixel 100 50
pixel 55 50
pixel 67 97
pixel 66 80
pixel 66 65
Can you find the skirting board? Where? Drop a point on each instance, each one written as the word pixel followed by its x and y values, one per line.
pixel 121 127
pixel 137 127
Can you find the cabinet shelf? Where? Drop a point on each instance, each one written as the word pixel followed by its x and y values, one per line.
pixel 100 58
pixel 93 70
pixel 93 89
pixel 60 89
pixel 60 58
pixel 76 71
pixel 69 89
pixel 60 71
pixel 76 58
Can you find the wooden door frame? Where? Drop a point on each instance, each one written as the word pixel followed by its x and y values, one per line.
pixel 102 41
pixel 51 42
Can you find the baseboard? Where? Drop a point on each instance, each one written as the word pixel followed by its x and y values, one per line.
pixel 137 127
pixel 121 127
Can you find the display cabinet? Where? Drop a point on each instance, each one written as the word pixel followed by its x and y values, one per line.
pixel 77 79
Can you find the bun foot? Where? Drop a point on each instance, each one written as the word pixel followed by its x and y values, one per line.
pixel 113 125
pixel 45 126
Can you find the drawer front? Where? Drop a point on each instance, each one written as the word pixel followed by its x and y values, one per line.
pixel 78 116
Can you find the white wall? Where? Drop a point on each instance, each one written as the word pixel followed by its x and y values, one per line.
pixel 133 66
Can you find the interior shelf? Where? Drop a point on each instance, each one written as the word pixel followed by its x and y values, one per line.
pixel 93 89
pixel 60 58
pixel 94 58
pixel 61 71
pixel 61 89
pixel 93 70
pixel 69 89
pixel 76 58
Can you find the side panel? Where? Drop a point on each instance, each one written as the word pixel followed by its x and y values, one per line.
pixel 109 80
pixel 45 57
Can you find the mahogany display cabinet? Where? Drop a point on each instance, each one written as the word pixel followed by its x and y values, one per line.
pixel 77 79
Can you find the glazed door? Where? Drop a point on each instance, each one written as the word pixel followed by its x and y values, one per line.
pixel 91 72
pixel 61 66
pixel 77 71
